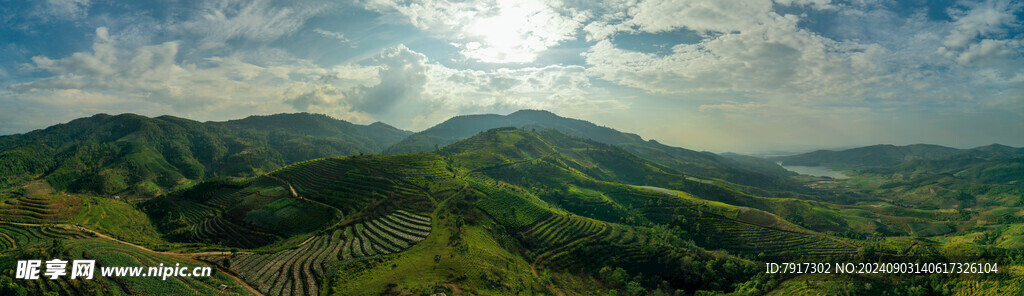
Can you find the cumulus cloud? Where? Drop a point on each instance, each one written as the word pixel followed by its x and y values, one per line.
pixel 402 77
pixel 978 40
pixel 149 80
pixel 399 86
pixel 763 60
pixel 750 50
pixel 702 16
pixel 742 62
pixel 415 92
pixel 491 31
pixel 980 20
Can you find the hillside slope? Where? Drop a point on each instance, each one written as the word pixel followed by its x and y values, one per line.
pixel 703 164
pixel 870 156
pixel 507 211
pixel 135 154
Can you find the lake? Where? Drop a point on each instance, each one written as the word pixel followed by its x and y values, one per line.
pixel 818 171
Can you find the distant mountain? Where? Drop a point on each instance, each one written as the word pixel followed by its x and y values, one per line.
pixel 373 138
pixel 990 152
pixel 758 164
pixel 136 154
pixel 997 164
pixel 702 164
pixel 465 126
pixel 870 156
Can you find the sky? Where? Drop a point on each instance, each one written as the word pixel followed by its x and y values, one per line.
pixel 716 75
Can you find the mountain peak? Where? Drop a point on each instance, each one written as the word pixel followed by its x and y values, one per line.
pixel 533 112
pixel 995 146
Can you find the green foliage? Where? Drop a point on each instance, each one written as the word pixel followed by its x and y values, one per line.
pixel 870 156
pixel 147 156
pixel 289 217
pixel 509 211
pixel 704 164
pixel 507 205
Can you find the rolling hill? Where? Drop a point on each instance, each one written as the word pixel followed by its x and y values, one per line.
pixel 870 156
pixel 530 211
pixel 703 164
pixel 132 154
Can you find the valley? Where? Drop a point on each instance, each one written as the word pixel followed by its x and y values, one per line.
pixel 554 206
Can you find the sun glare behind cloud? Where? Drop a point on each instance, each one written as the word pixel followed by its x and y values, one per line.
pixel 515 34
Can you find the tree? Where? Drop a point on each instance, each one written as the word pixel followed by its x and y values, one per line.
pixel 634 288
pixel 56 248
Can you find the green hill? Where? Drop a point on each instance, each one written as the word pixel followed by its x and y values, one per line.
pixel 132 154
pixel 702 164
pixel 870 156
pixel 401 209
pixel 506 211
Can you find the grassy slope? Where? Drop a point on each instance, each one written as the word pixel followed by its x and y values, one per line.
pixel 477 264
pixel 136 155
pixel 113 217
pixel 515 211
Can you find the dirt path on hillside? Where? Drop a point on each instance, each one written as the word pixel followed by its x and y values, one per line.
pixel 295 194
pixel 190 256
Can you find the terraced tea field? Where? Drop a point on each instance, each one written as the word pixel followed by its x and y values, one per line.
pixel 741 237
pixel 192 212
pixel 108 253
pixel 16 236
pixel 511 208
pixel 559 241
pixel 39 208
pixel 221 231
pixel 302 270
pixel 83 245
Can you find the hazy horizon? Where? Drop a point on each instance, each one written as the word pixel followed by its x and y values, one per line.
pixel 721 76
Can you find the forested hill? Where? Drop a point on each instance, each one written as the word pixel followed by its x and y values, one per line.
pixel 870 156
pixel 135 154
pixel 704 164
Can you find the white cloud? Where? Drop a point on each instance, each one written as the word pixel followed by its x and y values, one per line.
pixel 403 87
pixel 335 35
pixel 981 19
pixel 702 16
pixel 63 9
pixel 820 4
pixel 772 61
pixel 148 80
pixel 988 52
pixel 890 63
pixel 491 31
pixel 979 45
pixel 259 20
pixel 414 92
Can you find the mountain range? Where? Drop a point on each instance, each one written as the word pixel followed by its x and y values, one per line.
pixel 528 203
pixel 746 171
pixel 131 153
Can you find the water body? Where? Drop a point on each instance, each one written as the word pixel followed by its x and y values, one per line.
pixel 818 171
